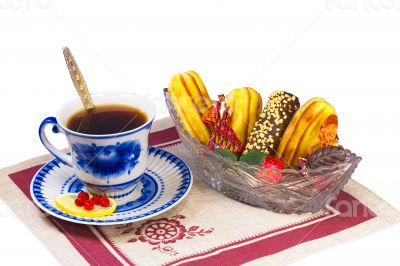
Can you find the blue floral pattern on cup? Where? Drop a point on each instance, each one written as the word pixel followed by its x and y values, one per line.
pixel 107 161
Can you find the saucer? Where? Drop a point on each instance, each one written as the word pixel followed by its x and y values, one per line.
pixel 166 181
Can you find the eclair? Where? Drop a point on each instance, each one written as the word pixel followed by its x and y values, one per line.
pixel 272 122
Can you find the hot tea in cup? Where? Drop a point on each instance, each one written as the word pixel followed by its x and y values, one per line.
pixel 107 119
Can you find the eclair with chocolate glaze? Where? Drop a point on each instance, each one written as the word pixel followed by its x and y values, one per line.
pixel 272 122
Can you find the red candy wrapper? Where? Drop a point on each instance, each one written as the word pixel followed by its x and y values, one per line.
pixel 223 136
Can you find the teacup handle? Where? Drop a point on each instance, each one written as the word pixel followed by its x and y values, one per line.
pixel 67 159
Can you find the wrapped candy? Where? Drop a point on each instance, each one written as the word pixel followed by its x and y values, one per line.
pixel 223 136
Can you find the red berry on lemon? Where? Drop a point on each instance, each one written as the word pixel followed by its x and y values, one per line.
pixel 95 199
pixel 79 202
pixel 83 195
pixel 104 202
pixel 88 205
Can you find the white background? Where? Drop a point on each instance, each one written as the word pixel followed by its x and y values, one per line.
pixel 346 51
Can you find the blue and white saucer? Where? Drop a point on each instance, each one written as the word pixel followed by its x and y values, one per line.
pixel 166 181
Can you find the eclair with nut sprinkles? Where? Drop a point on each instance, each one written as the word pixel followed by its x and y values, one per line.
pixel 272 122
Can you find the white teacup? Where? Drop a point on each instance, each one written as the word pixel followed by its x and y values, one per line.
pixel 108 165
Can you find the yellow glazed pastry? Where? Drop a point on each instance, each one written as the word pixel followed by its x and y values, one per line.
pixel 191 100
pixel 312 127
pixel 245 106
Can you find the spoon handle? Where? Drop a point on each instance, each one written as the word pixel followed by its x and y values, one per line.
pixel 77 79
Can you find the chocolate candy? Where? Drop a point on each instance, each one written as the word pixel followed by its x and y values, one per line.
pixel 272 122
pixel 328 156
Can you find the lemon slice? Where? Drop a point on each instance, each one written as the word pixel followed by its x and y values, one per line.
pixel 66 203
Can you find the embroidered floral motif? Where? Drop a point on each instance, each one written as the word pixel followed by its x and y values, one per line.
pixel 163 231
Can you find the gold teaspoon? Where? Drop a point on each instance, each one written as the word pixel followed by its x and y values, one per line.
pixel 81 88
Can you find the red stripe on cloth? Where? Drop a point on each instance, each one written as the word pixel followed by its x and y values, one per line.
pixel 113 246
pixel 352 213
pixel 86 242
pixel 163 136
pixel 23 179
pixel 169 144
